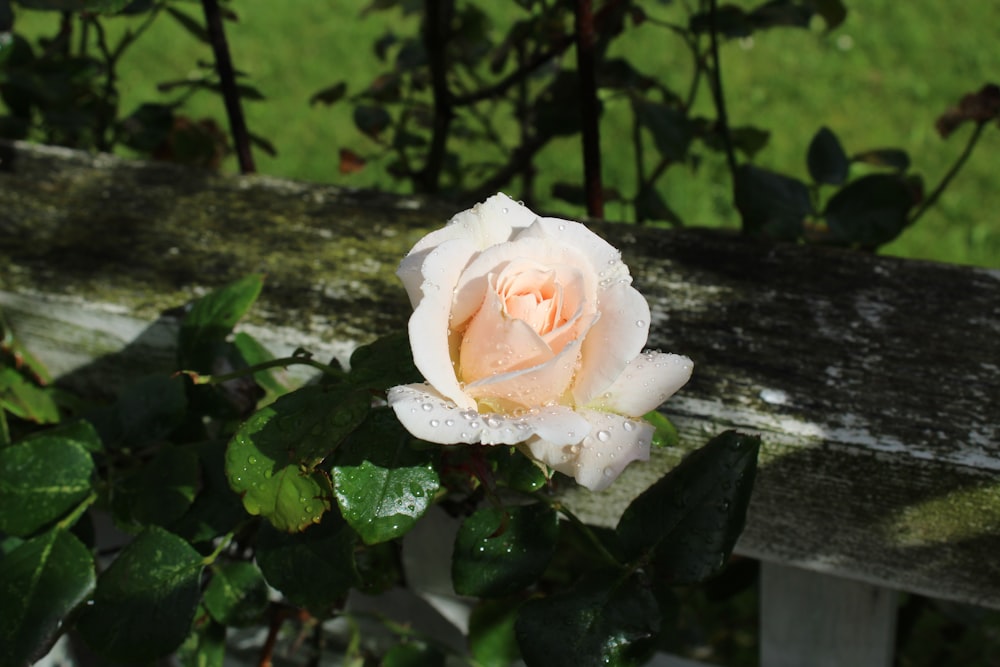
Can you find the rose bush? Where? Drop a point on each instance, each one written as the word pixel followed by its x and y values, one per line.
pixel 528 332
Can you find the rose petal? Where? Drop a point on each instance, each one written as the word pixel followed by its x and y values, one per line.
pixel 495 343
pixel 596 461
pixel 648 380
pixel 429 416
pixel 429 323
pixel 603 258
pixel 617 337
pixel 541 248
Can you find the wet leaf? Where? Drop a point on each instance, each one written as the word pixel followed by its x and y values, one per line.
pixel 145 601
pixel 272 458
pixel 606 619
pixel 502 551
pixel 25 399
pixel 382 490
pixel 237 593
pixel 687 522
pixel 216 509
pixel 44 477
pixel 325 551
pixel 41 582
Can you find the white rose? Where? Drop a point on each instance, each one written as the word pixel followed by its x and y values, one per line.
pixel 528 330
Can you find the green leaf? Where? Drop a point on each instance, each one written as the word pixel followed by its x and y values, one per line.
pixel 41 479
pixel 159 492
pixel 205 646
pixel 516 471
pixel 499 552
pixel 492 641
pixel 689 520
pixel 272 458
pixel 672 130
pixel 870 211
pixel 329 95
pixel 382 484
pixel 384 363
pixel 25 399
pixel 893 158
pixel 216 509
pixel 650 205
pixel 212 318
pixel 147 411
pixel 413 654
pixel 146 600
pixel 665 434
pixel 771 204
pixel 826 158
pixel 236 594
pixel 273 381
pixel 603 620
pixel 314 568
pixel 371 120
pixel 146 128
pixel 41 582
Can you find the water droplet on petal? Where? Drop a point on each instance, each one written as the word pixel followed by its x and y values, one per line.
pixel 435 423
pixel 449 422
pixel 609 473
pixel 628 425
pixel 640 323
pixel 603 436
pixel 427 407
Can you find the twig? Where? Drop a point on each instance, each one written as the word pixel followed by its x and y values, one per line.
pixel 939 190
pixel 436 33
pixel 717 94
pixel 585 58
pixel 227 82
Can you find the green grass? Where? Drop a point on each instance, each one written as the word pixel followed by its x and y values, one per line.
pixel 879 80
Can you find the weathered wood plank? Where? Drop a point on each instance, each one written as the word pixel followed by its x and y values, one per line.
pixel 875 382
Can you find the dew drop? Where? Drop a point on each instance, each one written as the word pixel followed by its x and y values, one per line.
pixel 469 414
pixel 506 210
pixel 603 436
pixel 435 423
pixel 609 473
pixel 427 407
pixel 640 323
pixel 628 425
pixel 252 460
pixel 449 422
pixel 493 421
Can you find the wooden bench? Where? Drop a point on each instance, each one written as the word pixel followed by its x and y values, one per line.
pixel 875 382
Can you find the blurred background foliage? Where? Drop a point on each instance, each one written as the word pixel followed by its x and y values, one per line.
pixel 341 92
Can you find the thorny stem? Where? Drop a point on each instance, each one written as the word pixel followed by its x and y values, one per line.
pixel 227 82
pixel 948 177
pixel 585 58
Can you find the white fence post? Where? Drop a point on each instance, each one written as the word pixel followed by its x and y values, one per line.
pixel 808 619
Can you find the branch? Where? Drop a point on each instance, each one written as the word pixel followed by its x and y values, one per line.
pixel 939 190
pixel 436 34
pixel 717 94
pixel 227 82
pixel 591 136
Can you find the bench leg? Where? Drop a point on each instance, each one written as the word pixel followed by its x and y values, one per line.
pixel 808 619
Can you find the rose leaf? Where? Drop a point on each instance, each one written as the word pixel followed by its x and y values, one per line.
pixel 501 551
pixel 146 600
pixel 271 460
pixel 324 551
pixel 689 520
pixel 237 593
pixel 41 582
pixel 602 620
pixel 43 477
pixel 382 490
pixel 492 641
pixel 212 318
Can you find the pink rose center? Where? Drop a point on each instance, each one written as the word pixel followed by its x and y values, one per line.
pixel 534 297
